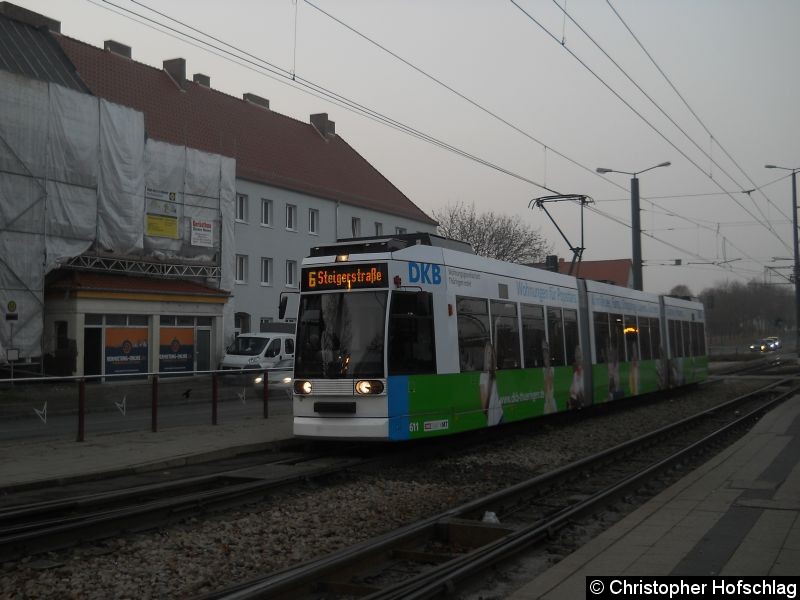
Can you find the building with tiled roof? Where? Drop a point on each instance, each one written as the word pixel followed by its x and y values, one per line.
pixel 616 272
pixel 297 185
pixel 269 147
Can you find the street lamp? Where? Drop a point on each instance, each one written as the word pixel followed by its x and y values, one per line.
pixel 636 226
pixel 796 257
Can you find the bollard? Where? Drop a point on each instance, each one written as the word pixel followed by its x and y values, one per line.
pixel 214 398
pixel 266 394
pixel 81 409
pixel 155 404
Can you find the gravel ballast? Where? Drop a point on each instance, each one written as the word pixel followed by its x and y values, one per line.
pixel 201 555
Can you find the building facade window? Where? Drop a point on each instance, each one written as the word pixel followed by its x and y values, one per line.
pixel 313 221
pixel 266 212
pixel 378 228
pixel 241 323
pixel 266 271
pixel 241 208
pixel 241 268
pixel 356 222
pixel 291 217
pixel 291 273
pixel 400 230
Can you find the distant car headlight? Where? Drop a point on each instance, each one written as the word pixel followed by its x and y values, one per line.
pixel 287 380
pixel 369 386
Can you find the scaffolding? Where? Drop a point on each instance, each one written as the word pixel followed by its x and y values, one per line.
pixel 81 187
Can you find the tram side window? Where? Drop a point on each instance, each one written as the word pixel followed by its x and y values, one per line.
pixel 631 332
pixel 473 332
pixel 675 341
pixel 555 331
pixel 571 334
pixel 601 337
pixel 701 339
pixel 655 338
pixel 412 347
pixel 687 338
pixel 533 336
pixel 506 334
pixel 616 344
pixel 698 339
pixel 645 349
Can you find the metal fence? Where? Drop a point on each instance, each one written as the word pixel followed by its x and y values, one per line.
pixel 75 407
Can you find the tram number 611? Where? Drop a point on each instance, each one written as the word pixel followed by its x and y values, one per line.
pixel 413 427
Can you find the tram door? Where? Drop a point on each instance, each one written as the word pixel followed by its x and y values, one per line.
pixel 203 350
pixel 93 351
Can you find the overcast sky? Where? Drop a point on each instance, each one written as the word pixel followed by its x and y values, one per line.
pixel 546 85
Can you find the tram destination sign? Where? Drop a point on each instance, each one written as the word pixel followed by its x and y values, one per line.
pixel 345 277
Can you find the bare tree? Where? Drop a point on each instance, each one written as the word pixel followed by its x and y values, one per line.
pixel 681 290
pixel 493 235
pixel 737 312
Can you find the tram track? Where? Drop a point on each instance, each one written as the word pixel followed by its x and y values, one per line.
pixel 56 524
pixel 438 554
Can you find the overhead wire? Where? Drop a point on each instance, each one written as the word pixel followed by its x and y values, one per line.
pixel 662 111
pixel 631 107
pixel 310 87
pixel 691 110
pixel 305 85
pixel 464 97
pixel 475 103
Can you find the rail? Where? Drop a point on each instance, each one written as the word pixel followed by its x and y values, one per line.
pixel 529 512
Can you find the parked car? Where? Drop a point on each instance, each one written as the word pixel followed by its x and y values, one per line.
pixel 258 351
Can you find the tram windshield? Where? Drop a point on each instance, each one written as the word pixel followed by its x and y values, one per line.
pixel 340 335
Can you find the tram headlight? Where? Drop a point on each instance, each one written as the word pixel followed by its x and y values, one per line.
pixel 302 387
pixel 369 386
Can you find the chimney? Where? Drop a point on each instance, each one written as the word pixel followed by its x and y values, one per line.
pixel 551 263
pixel 176 68
pixel 23 15
pixel 203 80
pixel 323 125
pixel 117 48
pixel 257 100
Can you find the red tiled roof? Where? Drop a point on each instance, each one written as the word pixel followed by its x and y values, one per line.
pixel 616 272
pixel 98 281
pixel 268 147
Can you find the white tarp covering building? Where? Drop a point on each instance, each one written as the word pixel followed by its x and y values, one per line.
pixel 77 175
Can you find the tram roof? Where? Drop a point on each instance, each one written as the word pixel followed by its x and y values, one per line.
pixel 380 244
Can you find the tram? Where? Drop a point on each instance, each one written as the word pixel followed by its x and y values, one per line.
pixel 414 336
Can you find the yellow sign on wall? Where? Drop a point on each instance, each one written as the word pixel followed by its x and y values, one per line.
pixel 162 226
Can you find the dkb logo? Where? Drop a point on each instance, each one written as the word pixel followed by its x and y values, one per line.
pixel 424 273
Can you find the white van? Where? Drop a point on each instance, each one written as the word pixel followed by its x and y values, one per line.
pixel 259 351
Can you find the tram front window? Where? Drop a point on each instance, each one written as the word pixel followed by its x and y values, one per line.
pixel 340 335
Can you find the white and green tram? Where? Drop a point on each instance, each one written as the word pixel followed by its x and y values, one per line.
pixel 415 336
